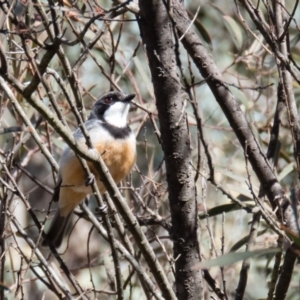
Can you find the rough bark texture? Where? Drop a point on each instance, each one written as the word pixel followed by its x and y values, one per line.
pixel 286 274
pixel 242 129
pixel 2 242
pixel 157 36
pixel 235 116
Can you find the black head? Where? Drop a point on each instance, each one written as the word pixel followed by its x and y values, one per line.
pixel 112 108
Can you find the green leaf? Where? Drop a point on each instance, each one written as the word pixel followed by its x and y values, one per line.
pixel 203 32
pixel 244 240
pixel 235 31
pixel 218 210
pixel 233 257
pixel 286 170
pixel 231 174
pixel 234 176
pixel 241 97
pixel 240 190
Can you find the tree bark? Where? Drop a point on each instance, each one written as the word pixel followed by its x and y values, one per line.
pixel 286 274
pixel 235 117
pixel 170 100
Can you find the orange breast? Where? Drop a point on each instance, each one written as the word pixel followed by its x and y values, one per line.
pixel 119 157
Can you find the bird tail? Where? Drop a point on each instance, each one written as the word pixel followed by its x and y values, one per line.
pixel 57 229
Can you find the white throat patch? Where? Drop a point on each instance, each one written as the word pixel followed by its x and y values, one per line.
pixel 116 114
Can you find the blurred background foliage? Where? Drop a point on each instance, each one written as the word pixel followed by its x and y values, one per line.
pixel 252 74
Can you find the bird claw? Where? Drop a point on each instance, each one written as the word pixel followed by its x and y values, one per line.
pixel 101 210
pixel 90 180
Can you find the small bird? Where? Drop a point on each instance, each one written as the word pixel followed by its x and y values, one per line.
pixel 113 139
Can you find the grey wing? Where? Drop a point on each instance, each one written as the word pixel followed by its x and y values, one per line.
pixel 90 125
pixel 96 132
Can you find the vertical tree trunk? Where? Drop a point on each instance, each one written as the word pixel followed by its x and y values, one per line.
pixel 157 36
pixel 2 242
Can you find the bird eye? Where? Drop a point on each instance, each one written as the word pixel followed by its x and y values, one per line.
pixel 108 100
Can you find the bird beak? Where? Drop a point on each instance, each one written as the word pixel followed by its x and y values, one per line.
pixel 128 98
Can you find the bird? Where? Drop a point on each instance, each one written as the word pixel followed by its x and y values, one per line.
pixel 112 137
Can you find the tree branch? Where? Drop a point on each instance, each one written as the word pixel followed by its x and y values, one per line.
pixel 156 33
pixel 235 116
